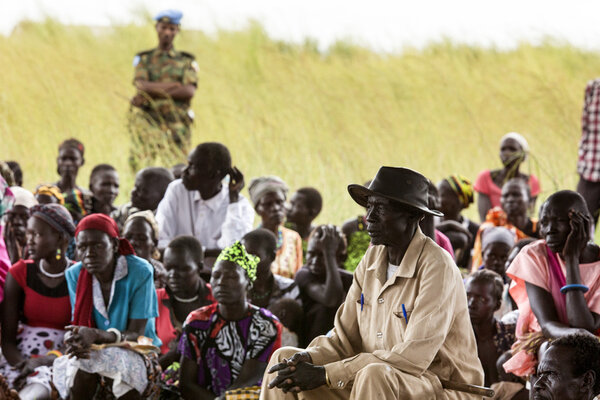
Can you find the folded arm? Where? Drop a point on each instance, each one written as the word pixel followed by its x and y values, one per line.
pixel 165 90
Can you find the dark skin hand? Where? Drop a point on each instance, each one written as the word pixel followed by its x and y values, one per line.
pixel 78 339
pixel 236 184
pixel 577 310
pixel 581 319
pixel 297 374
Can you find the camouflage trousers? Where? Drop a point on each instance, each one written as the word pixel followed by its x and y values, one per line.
pixel 156 141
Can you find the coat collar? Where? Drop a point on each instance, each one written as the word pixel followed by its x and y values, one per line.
pixel 408 265
pixel 171 52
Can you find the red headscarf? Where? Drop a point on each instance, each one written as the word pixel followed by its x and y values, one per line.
pixel 84 301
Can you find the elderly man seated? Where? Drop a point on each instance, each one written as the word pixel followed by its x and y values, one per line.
pixel 404 327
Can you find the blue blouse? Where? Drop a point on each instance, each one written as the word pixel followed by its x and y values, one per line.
pixel 133 296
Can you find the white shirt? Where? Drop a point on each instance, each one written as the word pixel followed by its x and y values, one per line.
pixel 214 222
pixel 391 270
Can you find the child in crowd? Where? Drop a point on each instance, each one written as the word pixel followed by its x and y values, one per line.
pixel 456 194
pixel 322 281
pixel 497 242
pixel 148 190
pixel 268 288
pixel 104 185
pixel 305 206
pixel 291 316
pixel 227 345
pixel 70 159
pixel 185 292
pixel 513 215
pixel 141 230
pixel 484 295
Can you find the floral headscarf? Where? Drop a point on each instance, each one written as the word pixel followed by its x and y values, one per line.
pixel 237 254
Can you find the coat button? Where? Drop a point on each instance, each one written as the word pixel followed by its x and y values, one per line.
pixel 379 335
pixel 340 384
pixel 107 322
pixel 380 300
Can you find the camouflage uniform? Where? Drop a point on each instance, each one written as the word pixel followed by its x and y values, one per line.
pixel 161 127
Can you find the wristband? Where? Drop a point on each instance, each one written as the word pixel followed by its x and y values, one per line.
pixel 55 353
pixel 117 333
pixel 574 286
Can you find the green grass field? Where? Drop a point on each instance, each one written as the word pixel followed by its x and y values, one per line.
pixel 319 119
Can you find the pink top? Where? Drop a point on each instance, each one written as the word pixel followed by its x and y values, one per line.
pixel 4 263
pixel 485 185
pixel 531 265
pixel 443 241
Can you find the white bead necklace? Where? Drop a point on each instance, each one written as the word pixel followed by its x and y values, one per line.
pixel 191 299
pixel 48 274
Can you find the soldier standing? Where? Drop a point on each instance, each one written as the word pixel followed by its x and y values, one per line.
pixel 165 80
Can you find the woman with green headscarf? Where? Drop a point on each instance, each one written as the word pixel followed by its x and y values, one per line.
pixel 227 345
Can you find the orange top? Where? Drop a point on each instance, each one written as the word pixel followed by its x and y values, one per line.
pixel 288 259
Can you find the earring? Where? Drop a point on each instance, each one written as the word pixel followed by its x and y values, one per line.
pixel 58 254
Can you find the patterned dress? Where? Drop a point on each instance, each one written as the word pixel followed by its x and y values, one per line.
pixel 288 259
pixel 221 347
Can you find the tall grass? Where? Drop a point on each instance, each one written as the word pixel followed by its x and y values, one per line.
pixel 319 119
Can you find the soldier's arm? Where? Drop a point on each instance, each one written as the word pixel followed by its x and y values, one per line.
pixel 162 90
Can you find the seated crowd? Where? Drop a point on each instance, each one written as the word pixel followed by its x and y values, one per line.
pixel 175 294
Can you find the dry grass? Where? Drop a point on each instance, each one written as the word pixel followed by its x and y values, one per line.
pixel 324 120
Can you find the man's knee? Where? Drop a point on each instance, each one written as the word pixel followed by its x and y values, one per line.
pixel 374 372
pixel 380 379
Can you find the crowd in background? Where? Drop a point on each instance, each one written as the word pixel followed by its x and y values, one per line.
pixel 90 288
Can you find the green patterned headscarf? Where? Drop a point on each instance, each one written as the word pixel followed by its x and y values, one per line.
pixel 237 254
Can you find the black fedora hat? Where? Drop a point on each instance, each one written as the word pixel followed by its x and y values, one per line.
pixel 401 185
